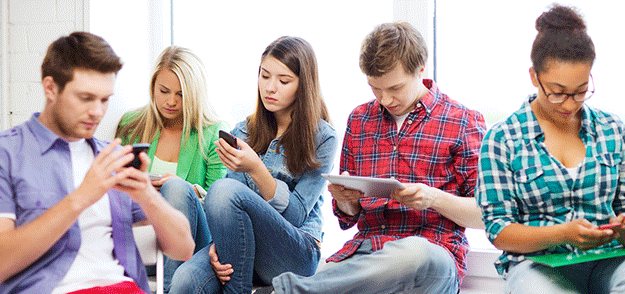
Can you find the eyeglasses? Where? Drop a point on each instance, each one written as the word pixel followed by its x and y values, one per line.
pixel 561 97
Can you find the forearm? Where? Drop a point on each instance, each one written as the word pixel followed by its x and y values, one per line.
pixel 464 211
pixel 520 238
pixel 264 181
pixel 171 226
pixel 21 246
pixel 349 208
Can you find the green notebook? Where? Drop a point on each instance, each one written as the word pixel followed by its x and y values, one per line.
pixel 561 259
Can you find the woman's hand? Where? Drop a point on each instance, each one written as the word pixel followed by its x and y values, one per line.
pixel 244 159
pixel 222 271
pixel 584 235
pixel 165 177
pixel 620 219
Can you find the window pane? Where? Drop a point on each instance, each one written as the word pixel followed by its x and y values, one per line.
pixel 230 37
pixel 484 63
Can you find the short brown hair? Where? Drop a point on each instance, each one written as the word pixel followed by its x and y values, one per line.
pixel 78 50
pixel 390 43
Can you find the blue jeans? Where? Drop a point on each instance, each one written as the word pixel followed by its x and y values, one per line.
pixel 182 197
pixel 250 235
pixel 596 277
pixel 408 265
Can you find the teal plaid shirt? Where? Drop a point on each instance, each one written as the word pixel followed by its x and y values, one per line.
pixel 520 182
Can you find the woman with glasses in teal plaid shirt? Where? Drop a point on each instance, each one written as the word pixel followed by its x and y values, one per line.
pixel 554 171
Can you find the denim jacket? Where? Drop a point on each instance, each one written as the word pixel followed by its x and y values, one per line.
pixel 297 198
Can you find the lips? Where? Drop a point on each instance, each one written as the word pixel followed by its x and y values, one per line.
pixel 271 99
pixel 90 124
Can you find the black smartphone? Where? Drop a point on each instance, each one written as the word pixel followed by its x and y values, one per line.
pixel 230 139
pixel 136 149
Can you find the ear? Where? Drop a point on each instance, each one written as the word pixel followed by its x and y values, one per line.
pixel 420 72
pixel 50 88
pixel 533 77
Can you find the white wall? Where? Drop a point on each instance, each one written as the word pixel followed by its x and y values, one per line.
pixel 31 26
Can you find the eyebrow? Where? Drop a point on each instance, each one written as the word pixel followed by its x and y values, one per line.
pixel 391 87
pixel 564 87
pixel 279 75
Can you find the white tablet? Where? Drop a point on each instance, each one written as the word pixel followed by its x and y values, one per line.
pixel 371 187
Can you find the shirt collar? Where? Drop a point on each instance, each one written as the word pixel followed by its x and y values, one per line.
pixel 427 102
pixel 47 139
pixel 532 129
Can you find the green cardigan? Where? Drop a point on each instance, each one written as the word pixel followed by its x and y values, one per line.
pixel 192 166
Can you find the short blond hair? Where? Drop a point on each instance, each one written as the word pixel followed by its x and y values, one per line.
pixel 390 43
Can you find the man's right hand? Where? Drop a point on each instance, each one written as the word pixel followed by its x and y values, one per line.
pixel 105 172
pixel 346 199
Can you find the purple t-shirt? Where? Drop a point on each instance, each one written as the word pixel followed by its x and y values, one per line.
pixel 35 174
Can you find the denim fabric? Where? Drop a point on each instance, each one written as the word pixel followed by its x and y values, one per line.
pixel 181 196
pixel 596 277
pixel 408 265
pixel 250 235
pixel 297 198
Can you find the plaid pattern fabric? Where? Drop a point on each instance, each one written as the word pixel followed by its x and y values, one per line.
pixel 438 145
pixel 520 182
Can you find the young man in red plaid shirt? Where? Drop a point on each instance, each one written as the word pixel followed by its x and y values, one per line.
pixel 412 240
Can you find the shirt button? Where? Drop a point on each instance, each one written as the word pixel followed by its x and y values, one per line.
pixel 394 148
pixel 409 121
pixel 418 104
pixel 383 227
pixel 393 178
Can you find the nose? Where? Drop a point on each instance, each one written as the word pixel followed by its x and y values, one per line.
pixel 384 98
pixel 270 87
pixel 171 99
pixel 570 104
pixel 97 109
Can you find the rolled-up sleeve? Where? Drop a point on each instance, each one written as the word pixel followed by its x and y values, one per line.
pixel 495 185
pixel 280 199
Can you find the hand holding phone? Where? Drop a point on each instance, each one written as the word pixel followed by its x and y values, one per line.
pixel 608 226
pixel 155 177
pixel 230 139
pixel 136 149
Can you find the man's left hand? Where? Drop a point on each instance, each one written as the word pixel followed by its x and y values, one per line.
pixel 416 196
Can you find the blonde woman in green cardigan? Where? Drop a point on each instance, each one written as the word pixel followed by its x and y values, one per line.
pixel 181 127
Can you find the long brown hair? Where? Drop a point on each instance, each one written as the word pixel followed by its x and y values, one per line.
pixel 298 141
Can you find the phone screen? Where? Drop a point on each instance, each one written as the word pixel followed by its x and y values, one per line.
pixel 136 149
pixel 230 139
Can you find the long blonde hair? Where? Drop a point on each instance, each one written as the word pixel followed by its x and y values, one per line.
pixel 196 109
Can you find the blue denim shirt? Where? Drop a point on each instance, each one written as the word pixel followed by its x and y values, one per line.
pixel 298 199
pixel 35 174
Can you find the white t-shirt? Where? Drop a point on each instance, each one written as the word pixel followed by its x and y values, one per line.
pixel 95 264
pixel 399 120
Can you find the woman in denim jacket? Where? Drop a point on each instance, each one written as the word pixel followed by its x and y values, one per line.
pixel 265 216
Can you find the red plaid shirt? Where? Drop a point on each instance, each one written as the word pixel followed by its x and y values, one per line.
pixel 438 144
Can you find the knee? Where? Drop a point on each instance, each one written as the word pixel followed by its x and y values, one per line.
pixel 177 192
pixel 224 194
pixel 187 278
pixel 415 254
